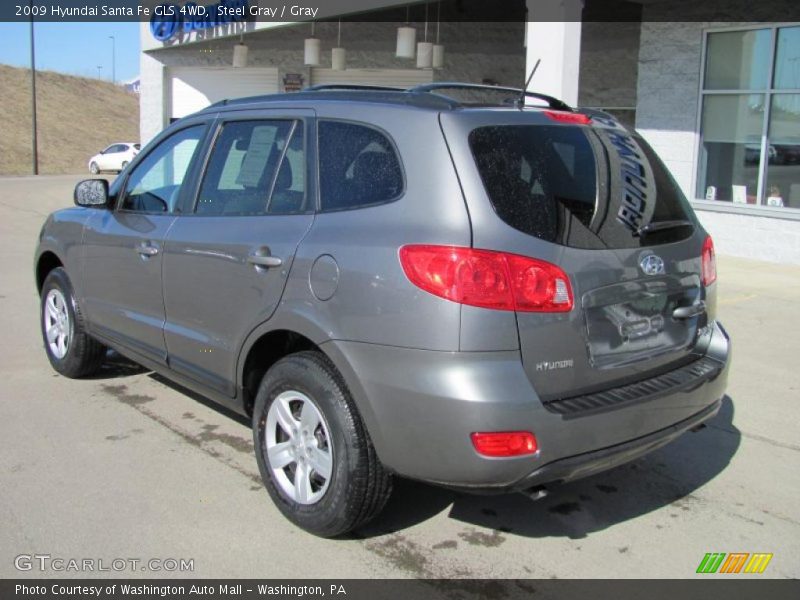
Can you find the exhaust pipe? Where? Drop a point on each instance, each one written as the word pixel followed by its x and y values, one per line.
pixel 697 428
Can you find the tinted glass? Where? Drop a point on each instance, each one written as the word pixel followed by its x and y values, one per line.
pixel 783 172
pixel 289 191
pixel 357 166
pixel 736 60
pixel 241 172
pixel 731 147
pixel 787 59
pixel 156 182
pixel 578 187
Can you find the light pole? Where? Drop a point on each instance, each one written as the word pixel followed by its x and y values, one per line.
pixel 99 69
pixel 113 59
pixel 34 133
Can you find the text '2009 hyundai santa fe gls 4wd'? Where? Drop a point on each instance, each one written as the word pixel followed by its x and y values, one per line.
pixel 491 296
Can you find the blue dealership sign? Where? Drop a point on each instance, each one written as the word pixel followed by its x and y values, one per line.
pixel 169 20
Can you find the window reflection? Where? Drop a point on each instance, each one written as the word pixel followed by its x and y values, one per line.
pixel 783 174
pixel 750 142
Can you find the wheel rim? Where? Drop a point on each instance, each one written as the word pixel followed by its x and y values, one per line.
pixel 56 323
pixel 297 447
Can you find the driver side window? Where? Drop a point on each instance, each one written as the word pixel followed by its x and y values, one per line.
pixel 156 182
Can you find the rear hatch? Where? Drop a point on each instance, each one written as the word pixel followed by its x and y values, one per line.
pixel 595 200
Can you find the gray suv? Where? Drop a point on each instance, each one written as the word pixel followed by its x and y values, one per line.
pixel 476 287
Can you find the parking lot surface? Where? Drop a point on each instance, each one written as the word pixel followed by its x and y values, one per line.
pixel 127 465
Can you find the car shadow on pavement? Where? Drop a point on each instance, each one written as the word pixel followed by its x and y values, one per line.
pixel 116 366
pixel 234 416
pixel 666 480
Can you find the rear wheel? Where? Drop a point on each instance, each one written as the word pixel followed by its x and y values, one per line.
pixel 71 351
pixel 94 169
pixel 313 451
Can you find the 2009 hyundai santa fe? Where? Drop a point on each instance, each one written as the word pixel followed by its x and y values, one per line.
pixel 492 295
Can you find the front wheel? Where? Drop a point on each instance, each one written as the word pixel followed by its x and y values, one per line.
pixel 315 456
pixel 70 350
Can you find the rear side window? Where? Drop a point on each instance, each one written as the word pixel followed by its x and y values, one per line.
pixel 358 167
pixel 579 187
pixel 256 167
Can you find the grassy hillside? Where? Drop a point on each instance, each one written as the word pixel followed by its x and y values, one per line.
pixel 77 116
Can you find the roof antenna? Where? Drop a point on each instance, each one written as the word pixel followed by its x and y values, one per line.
pixel 521 99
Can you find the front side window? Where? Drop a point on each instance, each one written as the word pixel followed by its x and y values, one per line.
pixel 256 167
pixel 155 184
pixel 357 167
pixel 750 124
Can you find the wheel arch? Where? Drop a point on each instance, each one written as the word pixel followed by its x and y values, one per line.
pixel 264 351
pixel 47 261
pixel 292 332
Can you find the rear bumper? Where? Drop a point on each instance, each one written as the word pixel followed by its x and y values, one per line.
pixel 584 465
pixel 421 406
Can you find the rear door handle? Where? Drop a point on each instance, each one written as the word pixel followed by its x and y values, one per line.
pixel 146 249
pixel 263 258
pixel 687 312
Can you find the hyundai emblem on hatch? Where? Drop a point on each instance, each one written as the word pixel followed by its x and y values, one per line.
pixel 652 265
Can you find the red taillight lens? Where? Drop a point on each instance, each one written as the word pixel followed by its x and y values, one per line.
pixel 568 117
pixel 505 443
pixel 709 262
pixel 488 279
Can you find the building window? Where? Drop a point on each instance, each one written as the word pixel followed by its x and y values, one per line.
pixel 750 117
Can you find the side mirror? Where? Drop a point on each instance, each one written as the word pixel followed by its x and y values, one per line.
pixel 92 193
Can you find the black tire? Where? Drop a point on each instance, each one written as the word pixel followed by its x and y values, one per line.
pixel 94 169
pixel 359 485
pixel 84 355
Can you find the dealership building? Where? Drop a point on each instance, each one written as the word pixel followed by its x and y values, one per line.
pixel 716 94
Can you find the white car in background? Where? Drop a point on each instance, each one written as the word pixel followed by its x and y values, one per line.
pixel 114 158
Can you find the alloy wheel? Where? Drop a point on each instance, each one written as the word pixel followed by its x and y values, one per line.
pixel 298 447
pixel 56 323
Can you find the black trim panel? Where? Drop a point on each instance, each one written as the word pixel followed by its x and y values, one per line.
pixel 683 379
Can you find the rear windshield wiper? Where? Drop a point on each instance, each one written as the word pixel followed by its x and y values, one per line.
pixel 662 225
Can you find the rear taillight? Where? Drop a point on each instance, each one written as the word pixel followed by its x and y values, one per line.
pixel 505 443
pixel 488 279
pixel 567 117
pixel 709 262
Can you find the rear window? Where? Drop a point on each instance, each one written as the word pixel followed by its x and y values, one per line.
pixel 580 187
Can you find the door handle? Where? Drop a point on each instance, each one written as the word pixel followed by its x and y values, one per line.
pixel 146 249
pixel 687 312
pixel 262 258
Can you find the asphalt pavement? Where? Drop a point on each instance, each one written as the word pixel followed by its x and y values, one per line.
pixel 126 465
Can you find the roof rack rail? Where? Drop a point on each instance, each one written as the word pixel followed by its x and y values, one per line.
pixel 346 86
pixel 552 102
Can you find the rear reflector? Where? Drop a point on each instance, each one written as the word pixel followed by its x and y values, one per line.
pixel 487 279
pixel 505 443
pixel 709 262
pixel 568 117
